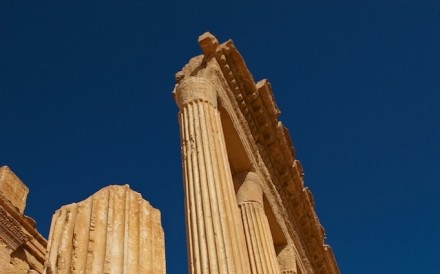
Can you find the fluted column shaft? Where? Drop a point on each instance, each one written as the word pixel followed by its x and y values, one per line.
pixel 113 231
pixel 262 256
pixel 214 230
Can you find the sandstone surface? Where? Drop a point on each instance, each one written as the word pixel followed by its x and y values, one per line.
pixel 113 231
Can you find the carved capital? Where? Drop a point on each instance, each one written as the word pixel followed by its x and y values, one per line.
pixel 250 187
pixel 193 89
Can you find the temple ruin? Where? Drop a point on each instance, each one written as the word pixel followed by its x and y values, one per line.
pixel 247 210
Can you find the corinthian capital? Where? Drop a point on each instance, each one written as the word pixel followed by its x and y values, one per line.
pixel 193 89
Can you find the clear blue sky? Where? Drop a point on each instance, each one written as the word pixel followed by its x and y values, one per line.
pixel 85 101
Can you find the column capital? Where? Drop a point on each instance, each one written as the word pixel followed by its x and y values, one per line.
pixel 195 88
pixel 250 188
pixel 286 259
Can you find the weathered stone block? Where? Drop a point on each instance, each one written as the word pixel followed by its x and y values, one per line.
pixel 13 189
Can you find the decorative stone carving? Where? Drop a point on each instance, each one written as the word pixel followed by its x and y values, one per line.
pixel 11 231
pixel 195 89
pixel 214 230
pixel 22 248
pixel 113 231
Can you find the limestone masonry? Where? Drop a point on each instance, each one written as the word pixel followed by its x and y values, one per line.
pixel 22 248
pixel 246 208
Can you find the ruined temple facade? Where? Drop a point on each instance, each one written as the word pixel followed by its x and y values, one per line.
pixel 247 210
pixel 246 207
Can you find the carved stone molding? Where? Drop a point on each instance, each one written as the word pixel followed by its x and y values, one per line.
pixel 22 247
pixel 11 231
pixel 195 88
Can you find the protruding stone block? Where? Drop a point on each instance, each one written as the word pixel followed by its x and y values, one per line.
pixel 13 189
pixel 208 43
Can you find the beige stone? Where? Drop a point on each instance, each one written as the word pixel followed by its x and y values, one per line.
pixel 113 231
pixel 229 126
pixel 13 188
pixel 286 259
pixel 195 89
pixel 259 240
pixel 246 207
pixel 215 238
pixel 22 248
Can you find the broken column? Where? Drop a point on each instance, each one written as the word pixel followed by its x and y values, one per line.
pixel 113 231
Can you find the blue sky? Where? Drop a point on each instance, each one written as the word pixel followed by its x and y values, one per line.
pixel 85 101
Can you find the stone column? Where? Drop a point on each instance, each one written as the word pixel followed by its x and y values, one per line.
pixel 214 231
pixel 262 256
pixel 113 231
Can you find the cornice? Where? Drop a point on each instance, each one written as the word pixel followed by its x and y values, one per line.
pixel 17 230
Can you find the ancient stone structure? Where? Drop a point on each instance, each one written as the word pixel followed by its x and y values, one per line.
pixel 259 240
pixel 246 208
pixel 215 235
pixel 243 186
pixel 113 231
pixel 22 248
